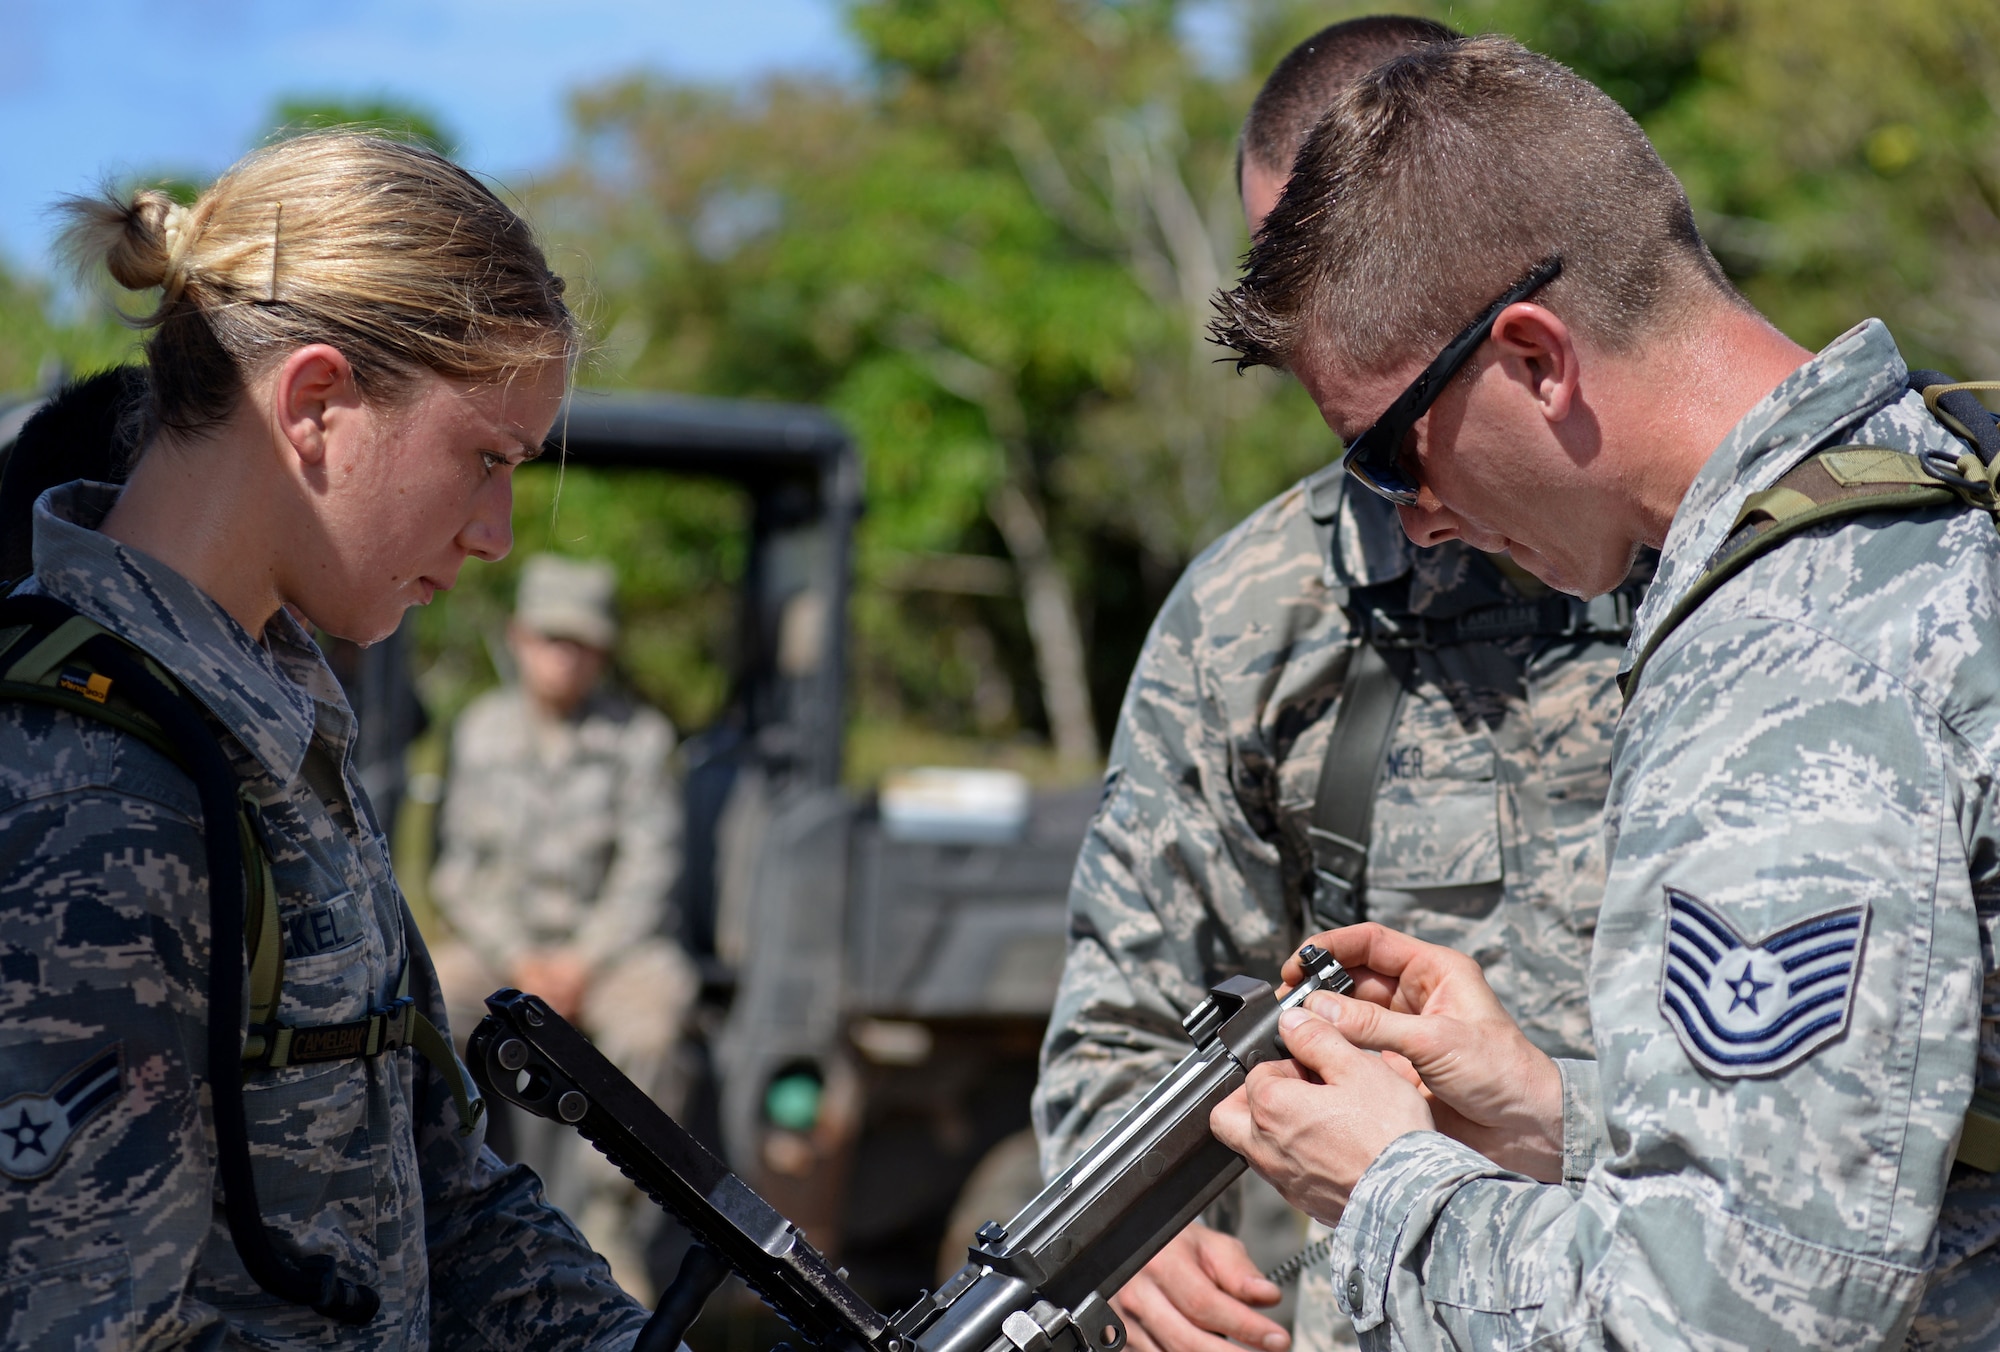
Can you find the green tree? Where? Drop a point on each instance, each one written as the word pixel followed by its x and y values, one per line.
pixel 407 121
pixel 995 259
pixel 43 339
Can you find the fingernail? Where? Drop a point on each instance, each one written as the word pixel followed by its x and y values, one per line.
pixel 1276 1342
pixel 1292 1018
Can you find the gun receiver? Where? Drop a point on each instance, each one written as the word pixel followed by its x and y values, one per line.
pixel 1040 1283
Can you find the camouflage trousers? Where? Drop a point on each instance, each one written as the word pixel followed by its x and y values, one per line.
pixel 634 1011
pixel 1317 1323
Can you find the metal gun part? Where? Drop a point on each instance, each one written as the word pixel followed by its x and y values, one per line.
pixel 1040 1283
pixel 1122 1200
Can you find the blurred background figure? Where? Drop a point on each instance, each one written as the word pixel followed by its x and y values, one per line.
pixel 561 837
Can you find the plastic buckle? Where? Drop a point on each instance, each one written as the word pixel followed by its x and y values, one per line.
pixel 1389 630
pixel 395 1017
pixel 1610 613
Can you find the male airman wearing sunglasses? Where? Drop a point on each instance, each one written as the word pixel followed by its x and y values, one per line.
pixel 1497 295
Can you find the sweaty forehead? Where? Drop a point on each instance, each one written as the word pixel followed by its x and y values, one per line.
pixel 1351 399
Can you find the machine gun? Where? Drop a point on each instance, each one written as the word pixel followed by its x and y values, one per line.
pixel 1040 1283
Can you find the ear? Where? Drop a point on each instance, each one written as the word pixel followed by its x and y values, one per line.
pixel 313 390
pixel 1541 352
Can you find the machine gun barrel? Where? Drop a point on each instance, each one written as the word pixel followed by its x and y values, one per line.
pixel 1040 1283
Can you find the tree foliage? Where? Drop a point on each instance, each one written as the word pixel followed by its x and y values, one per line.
pixel 994 259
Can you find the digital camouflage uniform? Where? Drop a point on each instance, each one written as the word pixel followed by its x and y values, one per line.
pixel 111 1228
pixel 1803 809
pixel 565 833
pixel 1486 833
pixel 558 832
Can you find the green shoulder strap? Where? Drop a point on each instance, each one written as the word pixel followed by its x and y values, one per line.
pixel 1831 485
pixel 46 674
pixel 1846 481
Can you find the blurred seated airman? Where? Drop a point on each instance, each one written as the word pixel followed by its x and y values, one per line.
pixel 560 842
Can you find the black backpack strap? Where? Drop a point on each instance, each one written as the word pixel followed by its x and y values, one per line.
pixel 1829 485
pixel 1343 810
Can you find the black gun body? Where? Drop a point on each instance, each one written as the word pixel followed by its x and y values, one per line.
pixel 1040 1283
pixel 523 1052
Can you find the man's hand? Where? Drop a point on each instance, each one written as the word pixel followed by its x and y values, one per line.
pixel 1312 1125
pixel 557 975
pixel 1488 1085
pixel 1196 1294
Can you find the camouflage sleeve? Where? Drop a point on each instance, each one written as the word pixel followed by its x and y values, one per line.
pixel 106 1202
pixel 1584 1141
pixel 507 1270
pixel 1170 850
pixel 646 855
pixel 1786 998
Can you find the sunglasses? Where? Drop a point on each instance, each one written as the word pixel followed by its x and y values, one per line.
pixel 1376 456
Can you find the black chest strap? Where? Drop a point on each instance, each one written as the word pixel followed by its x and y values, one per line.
pixel 1343 812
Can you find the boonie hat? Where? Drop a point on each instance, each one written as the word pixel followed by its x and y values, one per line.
pixel 568 598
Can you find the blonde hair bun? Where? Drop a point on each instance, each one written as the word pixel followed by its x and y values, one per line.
pixel 136 237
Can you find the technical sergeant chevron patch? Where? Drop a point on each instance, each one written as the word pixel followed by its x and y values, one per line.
pixel 1743 1008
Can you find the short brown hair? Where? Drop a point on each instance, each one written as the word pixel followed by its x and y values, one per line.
pixel 1301 86
pixel 387 251
pixel 1441 178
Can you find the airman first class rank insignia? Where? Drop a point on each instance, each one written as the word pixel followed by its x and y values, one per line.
pixel 35 1129
pixel 1755 1009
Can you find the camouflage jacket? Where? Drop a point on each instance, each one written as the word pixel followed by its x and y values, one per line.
pixel 111 1226
pixel 1793 990
pixel 1486 833
pixel 558 832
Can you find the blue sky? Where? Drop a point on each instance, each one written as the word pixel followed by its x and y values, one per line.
pixel 97 88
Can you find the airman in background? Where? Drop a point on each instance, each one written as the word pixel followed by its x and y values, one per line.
pixel 560 843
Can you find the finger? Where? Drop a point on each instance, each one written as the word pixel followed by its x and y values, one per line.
pixel 1414 968
pixel 1137 1339
pixel 1399 1063
pixel 1354 946
pixel 1230 1121
pixel 1168 1327
pixel 1373 1028
pixel 1227 1262
pixel 1289 1069
pixel 1294 971
pixel 1208 1307
pixel 1314 1043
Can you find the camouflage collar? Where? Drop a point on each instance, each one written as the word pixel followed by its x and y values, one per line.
pixel 254 692
pixel 1361 538
pixel 1850 379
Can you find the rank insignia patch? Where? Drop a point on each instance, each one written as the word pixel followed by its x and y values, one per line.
pixel 1743 1008
pixel 35 1129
